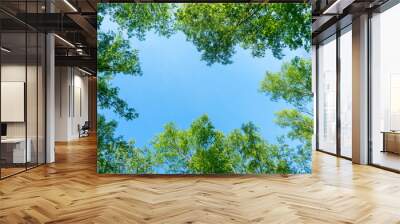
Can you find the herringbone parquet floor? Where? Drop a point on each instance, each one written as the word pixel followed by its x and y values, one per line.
pixel 70 191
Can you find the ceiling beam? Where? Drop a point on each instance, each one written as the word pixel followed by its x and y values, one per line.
pixel 49 22
pixel 80 61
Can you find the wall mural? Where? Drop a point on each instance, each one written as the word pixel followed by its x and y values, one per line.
pixel 204 88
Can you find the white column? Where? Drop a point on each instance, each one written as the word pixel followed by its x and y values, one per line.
pixel 50 100
pixel 360 90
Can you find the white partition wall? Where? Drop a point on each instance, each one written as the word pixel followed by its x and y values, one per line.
pixel 14 142
pixel 22 106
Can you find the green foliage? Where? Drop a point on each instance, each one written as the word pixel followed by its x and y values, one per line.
pixel 106 144
pixel 107 97
pixel 115 155
pixel 216 29
pixel 292 84
pixel 137 19
pixel 301 125
pixel 299 157
pixel 201 149
pixel 115 56
pixel 172 147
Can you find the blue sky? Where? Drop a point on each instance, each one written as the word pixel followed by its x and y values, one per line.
pixel 177 86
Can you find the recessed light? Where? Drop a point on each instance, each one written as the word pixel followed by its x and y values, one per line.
pixel 84 71
pixel 337 7
pixel 65 41
pixel 5 50
pixel 70 5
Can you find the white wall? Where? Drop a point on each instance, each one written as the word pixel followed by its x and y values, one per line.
pixel 62 81
pixel 71 94
pixel 80 115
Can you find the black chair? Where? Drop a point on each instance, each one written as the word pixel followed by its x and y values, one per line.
pixel 84 130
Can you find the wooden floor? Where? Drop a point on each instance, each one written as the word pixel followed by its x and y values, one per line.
pixel 5 172
pixel 387 159
pixel 70 191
